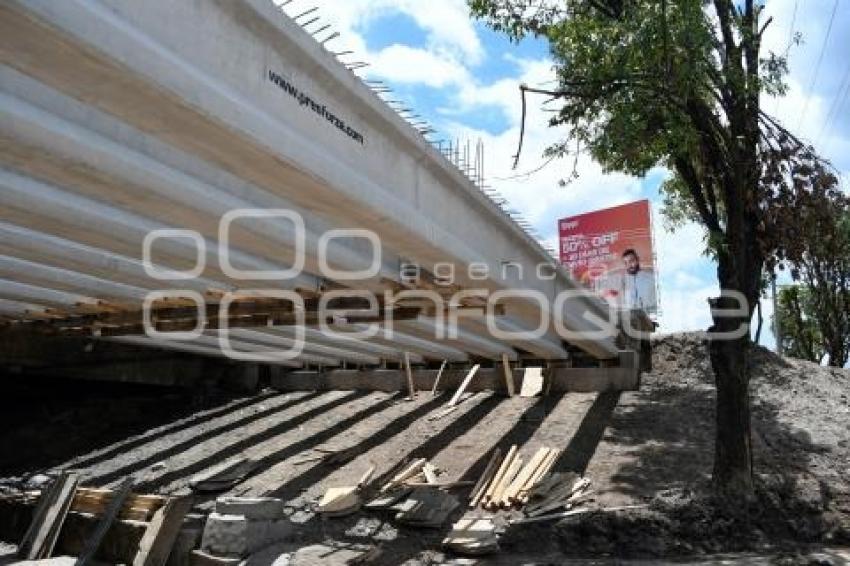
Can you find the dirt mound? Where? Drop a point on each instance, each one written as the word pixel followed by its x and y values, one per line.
pixel 801 421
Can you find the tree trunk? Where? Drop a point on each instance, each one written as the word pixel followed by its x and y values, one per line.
pixel 729 354
pixel 732 475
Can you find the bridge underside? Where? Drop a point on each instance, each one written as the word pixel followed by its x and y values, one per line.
pixel 114 125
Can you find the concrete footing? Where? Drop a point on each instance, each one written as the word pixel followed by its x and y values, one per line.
pixel 625 377
pixel 241 526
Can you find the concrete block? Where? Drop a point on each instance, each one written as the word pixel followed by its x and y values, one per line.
pixel 254 508
pixel 236 536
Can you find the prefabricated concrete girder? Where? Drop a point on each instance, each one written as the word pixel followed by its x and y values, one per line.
pixel 18 308
pixel 187 347
pixel 266 354
pixel 87 151
pixel 407 342
pixel 99 168
pixel 55 211
pixel 262 338
pixel 345 340
pixel 484 347
pixel 46 249
pixel 547 346
pixel 132 48
pixel 42 296
pixel 28 272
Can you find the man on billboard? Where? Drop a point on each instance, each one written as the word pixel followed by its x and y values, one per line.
pixel 637 286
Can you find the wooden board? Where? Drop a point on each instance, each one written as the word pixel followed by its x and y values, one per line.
pixel 499 474
pixel 456 397
pixel 526 473
pixel 136 507
pixel 411 390
pixel 109 516
pixel 479 489
pixel 159 537
pixel 53 507
pixel 439 375
pixel 509 375
pixel 532 382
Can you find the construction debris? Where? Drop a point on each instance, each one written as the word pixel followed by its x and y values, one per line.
pixel 386 500
pixel 513 483
pixel 223 477
pixel 330 456
pixel 473 536
pixel 425 507
pixel 409 471
pixel 566 514
pixel 341 501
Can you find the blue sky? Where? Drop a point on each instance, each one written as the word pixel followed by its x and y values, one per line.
pixel 463 79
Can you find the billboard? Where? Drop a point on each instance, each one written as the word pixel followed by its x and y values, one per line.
pixel 610 252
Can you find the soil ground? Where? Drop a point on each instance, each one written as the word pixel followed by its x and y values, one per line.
pixel 653 446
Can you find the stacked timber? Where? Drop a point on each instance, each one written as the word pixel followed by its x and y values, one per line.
pixel 508 482
pixel 136 507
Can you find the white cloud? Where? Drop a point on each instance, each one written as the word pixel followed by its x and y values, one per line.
pixel 403 64
pixel 450 33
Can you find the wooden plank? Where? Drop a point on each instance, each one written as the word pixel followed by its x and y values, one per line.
pixel 499 474
pixel 430 472
pixel 567 503
pixel 411 390
pixel 499 494
pixel 532 382
pixel 526 473
pixel 509 374
pixel 408 472
pixel 50 514
pixel 456 397
pixel 437 380
pixel 559 495
pixel 141 500
pixel 66 498
pixel 557 516
pixel 159 537
pixel 109 516
pixel 541 473
pixel 489 471
pixel 27 547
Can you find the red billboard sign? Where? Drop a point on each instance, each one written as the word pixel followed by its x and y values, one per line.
pixel 610 252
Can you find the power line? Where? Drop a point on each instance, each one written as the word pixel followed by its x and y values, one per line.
pixel 837 103
pixel 817 66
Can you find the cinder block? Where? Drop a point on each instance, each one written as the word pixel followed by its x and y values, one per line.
pixel 234 535
pixel 255 508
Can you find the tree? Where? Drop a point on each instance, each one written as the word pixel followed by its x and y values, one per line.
pixel 678 83
pixel 815 315
pixel 800 335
